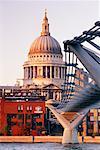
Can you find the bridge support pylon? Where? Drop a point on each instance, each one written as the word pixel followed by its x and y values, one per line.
pixel 70 134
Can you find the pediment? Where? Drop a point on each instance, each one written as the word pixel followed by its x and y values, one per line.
pixel 51 86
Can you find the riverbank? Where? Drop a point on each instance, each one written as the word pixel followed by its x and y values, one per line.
pixel 44 139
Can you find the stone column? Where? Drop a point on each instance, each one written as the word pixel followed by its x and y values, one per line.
pixel 26 73
pixel 54 71
pixel 61 73
pixel 33 71
pixel 42 71
pixel 64 72
pixel 58 72
pixel 30 73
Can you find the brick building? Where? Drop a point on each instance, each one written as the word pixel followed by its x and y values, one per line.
pixel 22 115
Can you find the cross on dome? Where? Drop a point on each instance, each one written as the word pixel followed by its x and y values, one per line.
pixel 46 13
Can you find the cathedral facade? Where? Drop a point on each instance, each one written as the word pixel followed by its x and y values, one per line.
pixel 45 68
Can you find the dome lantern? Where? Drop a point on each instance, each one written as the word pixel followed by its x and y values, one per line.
pixel 45 25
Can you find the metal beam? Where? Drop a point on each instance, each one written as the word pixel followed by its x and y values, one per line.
pixel 90 64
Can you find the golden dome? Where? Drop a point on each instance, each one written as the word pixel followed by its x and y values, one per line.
pixel 45 43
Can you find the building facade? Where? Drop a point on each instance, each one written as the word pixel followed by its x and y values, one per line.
pixel 22 114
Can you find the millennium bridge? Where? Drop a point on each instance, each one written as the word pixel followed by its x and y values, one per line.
pixel 76 98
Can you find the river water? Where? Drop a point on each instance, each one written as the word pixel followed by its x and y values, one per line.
pixel 48 146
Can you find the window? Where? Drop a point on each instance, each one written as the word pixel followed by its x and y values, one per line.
pixel 29 94
pixel 37 115
pixel 20 108
pixel 29 108
pixel 28 116
pixel 24 94
pixel 13 115
pixel 20 116
pixel 0 92
pixel 28 123
pixel 91 118
pixel 38 123
pixel 20 124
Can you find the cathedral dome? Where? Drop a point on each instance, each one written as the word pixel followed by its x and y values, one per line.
pixel 45 43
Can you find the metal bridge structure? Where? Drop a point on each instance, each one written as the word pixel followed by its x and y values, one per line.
pixel 78 99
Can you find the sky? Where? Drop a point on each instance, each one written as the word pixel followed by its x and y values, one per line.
pixel 20 25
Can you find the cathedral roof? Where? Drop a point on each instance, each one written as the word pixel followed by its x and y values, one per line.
pixel 45 43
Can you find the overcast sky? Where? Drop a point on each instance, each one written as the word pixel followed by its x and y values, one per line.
pixel 20 24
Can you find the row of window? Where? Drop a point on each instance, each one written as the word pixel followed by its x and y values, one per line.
pixel 28 108
pixel 21 116
pixel 47 56
pixel 28 124
pixel 92 113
